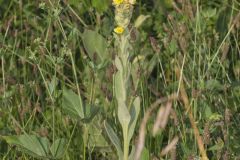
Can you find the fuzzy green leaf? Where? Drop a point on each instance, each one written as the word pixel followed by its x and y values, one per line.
pixel 123 114
pixel 140 20
pixel 114 139
pixel 120 89
pixel 118 64
pixel 134 112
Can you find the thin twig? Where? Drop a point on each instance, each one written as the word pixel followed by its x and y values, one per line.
pixel 141 138
pixel 170 146
pixel 162 117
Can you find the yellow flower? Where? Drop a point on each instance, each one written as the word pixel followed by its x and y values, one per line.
pixel 117 2
pixel 119 30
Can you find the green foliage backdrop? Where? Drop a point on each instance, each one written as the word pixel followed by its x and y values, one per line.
pixel 62 78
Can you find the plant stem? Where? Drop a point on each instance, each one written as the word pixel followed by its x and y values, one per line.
pixel 126 143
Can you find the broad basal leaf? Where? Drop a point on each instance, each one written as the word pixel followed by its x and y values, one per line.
pixel 90 112
pixel 72 104
pixel 95 45
pixel 58 148
pixel 95 134
pixel 31 144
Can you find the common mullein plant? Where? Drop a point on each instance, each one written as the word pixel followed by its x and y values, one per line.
pixel 128 106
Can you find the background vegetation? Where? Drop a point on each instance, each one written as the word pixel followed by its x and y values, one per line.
pixel 56 77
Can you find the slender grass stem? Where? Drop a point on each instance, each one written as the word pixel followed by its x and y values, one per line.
pixel 76 80
pixel 3 75
pixel 52 99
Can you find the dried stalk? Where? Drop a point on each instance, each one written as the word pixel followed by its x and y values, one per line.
pixel 188 109
pixel 170 146
pixel 141 138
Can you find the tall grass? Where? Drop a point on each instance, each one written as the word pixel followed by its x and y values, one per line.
pixel 167 87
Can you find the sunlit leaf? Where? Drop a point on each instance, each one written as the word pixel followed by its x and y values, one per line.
pixel 139 21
